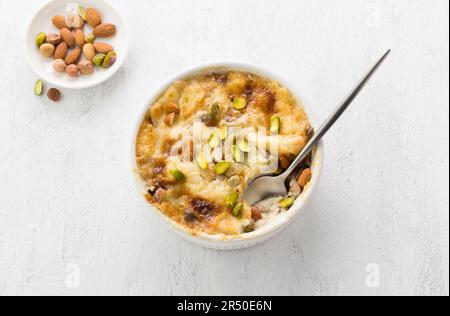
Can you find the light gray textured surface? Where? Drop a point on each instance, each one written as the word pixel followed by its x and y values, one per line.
pixel 67 201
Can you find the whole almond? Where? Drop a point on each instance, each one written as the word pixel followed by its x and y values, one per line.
pixel 103 48
pixel 89 51
pixel 67 37
pixel 60 51
pixel 53 38
pixel 93 17
pixel 59 21
pixel 105 30
pixel 73 56
pixel 79 38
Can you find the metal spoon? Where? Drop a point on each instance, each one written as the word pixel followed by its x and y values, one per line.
pixel 267 186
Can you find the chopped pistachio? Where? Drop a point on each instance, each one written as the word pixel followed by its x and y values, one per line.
pixel 214 140
pixel 177 175
pixel 275 124
pixel 287 203
pixel 202 162
pixel 222 167
pixel 250 227
pixel 212 117
pixel 232 200
pixel 239 103
pixel 238 210
pixel 38 87
pixel 243 145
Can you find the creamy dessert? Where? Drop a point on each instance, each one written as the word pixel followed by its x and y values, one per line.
pixel 207 136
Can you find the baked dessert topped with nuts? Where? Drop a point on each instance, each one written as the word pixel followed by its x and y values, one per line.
pixel 206 136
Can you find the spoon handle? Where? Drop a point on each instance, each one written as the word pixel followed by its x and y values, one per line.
pixel 334 116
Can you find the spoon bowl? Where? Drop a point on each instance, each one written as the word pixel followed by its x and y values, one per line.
pixel 265 187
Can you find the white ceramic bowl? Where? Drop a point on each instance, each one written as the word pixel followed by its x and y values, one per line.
pixel 222 242
pixel 42 22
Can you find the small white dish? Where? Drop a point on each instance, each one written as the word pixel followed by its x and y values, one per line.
pixel 42 22
pixel 280 222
